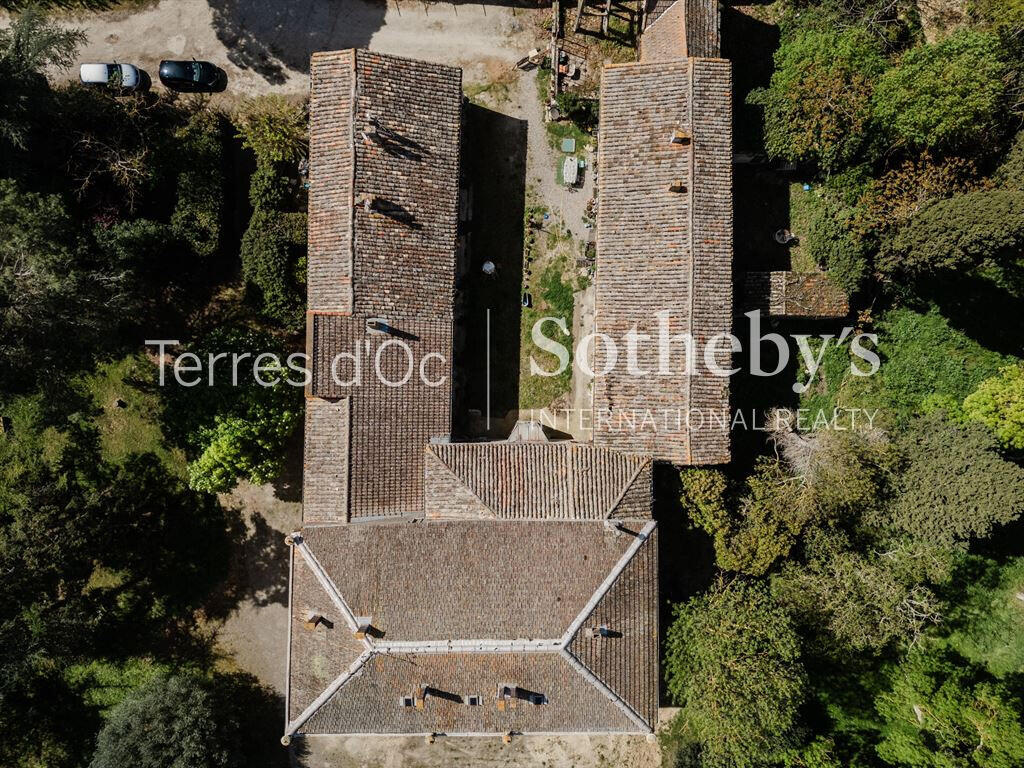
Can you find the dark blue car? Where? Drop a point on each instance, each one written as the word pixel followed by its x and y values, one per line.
pixel 192 76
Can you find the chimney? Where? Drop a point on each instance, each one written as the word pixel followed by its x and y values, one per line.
pixel 601 631
pixel 677 186
pixel 507 695
pixel 363 627
pixel 507 737
pixel 313 620
pixel 420 697
pixel 680 136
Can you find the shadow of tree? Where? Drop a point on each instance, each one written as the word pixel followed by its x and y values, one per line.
pixel 257 566
pixel 266 36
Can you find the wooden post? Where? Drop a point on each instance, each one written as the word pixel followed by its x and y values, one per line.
pixel 579 16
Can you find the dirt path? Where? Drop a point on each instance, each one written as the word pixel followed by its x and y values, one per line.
pixel 265 45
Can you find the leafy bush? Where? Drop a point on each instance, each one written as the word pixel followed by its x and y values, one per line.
pixel 272 127
pixel 986 225
pixel 818 106
pixel 267 188
pixel 269 263
pixel 998 403
pixel 944 95
pixel 922 356
pixel 835 244
pixel 200 185
pixel 582 111
pixel 732 662
pixel 251 447
pixel 956 486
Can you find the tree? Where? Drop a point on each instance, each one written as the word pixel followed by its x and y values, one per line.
pixel 998 403
pixel 818 106
pixel 270 260
pixel 862 600
pixel 200 199
pixel 27 47
pixel 945 95
pixel 172 722
pixel 959 233
pixel 956 486
pixel 58 302
pixel 272 127
pixel 939 712
pixel 822 479
pixel 732 663
pixel 250 447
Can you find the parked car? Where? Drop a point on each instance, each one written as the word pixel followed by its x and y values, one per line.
pixel 124 76
pixel 192 76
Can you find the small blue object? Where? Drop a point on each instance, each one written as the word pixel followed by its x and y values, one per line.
pixel 547 216
pixel 807 187
pixel 569 145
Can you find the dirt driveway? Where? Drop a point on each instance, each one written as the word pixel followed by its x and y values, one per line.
pixel 265 45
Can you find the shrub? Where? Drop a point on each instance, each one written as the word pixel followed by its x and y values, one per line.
pixel 835 244
pixel 948 94
pixel 986 225
pixel 272 127
pixel 998 403
pixel 267 188
pixel 269 263
pixel 581 110
pixel 732 662
pixel 200 185
pixel 818 106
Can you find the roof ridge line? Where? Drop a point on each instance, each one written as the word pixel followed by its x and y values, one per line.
pixel 690 203
pixel 325 581
pixel 432 449
pixel 610 579
pixel 598 683
pixel 328 692
pixel 484 645
pixel 644 462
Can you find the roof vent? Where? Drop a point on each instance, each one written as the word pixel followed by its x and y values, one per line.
pixel 677 186
pixel 377 325
pixel 314 620
pixel 473 700
pixel 680 136
pixel 405 701
pixel 601 631
pixel 364 627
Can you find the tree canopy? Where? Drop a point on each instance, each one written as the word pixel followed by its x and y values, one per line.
pixel 732 663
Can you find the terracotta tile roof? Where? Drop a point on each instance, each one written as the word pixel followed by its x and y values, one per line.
pixel 664 245
pixel 681 29
pixel 385 427
pixel 536 481
pixel 465 606
pixel 385 136
pixel 794 294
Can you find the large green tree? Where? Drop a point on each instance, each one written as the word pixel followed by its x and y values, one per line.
pixel 732 662
pixel 939 712
pixel 949 94
pixel 818 106
pixel 30 45
pixel 959 233
pixel 956 486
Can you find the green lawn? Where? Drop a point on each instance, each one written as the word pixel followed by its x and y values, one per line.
pixel 135 428
pixel 801 207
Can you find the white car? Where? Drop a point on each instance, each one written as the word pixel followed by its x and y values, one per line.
pixel 125 76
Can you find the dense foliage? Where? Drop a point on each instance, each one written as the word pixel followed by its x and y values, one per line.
pixel 113 230
pixel 732 664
